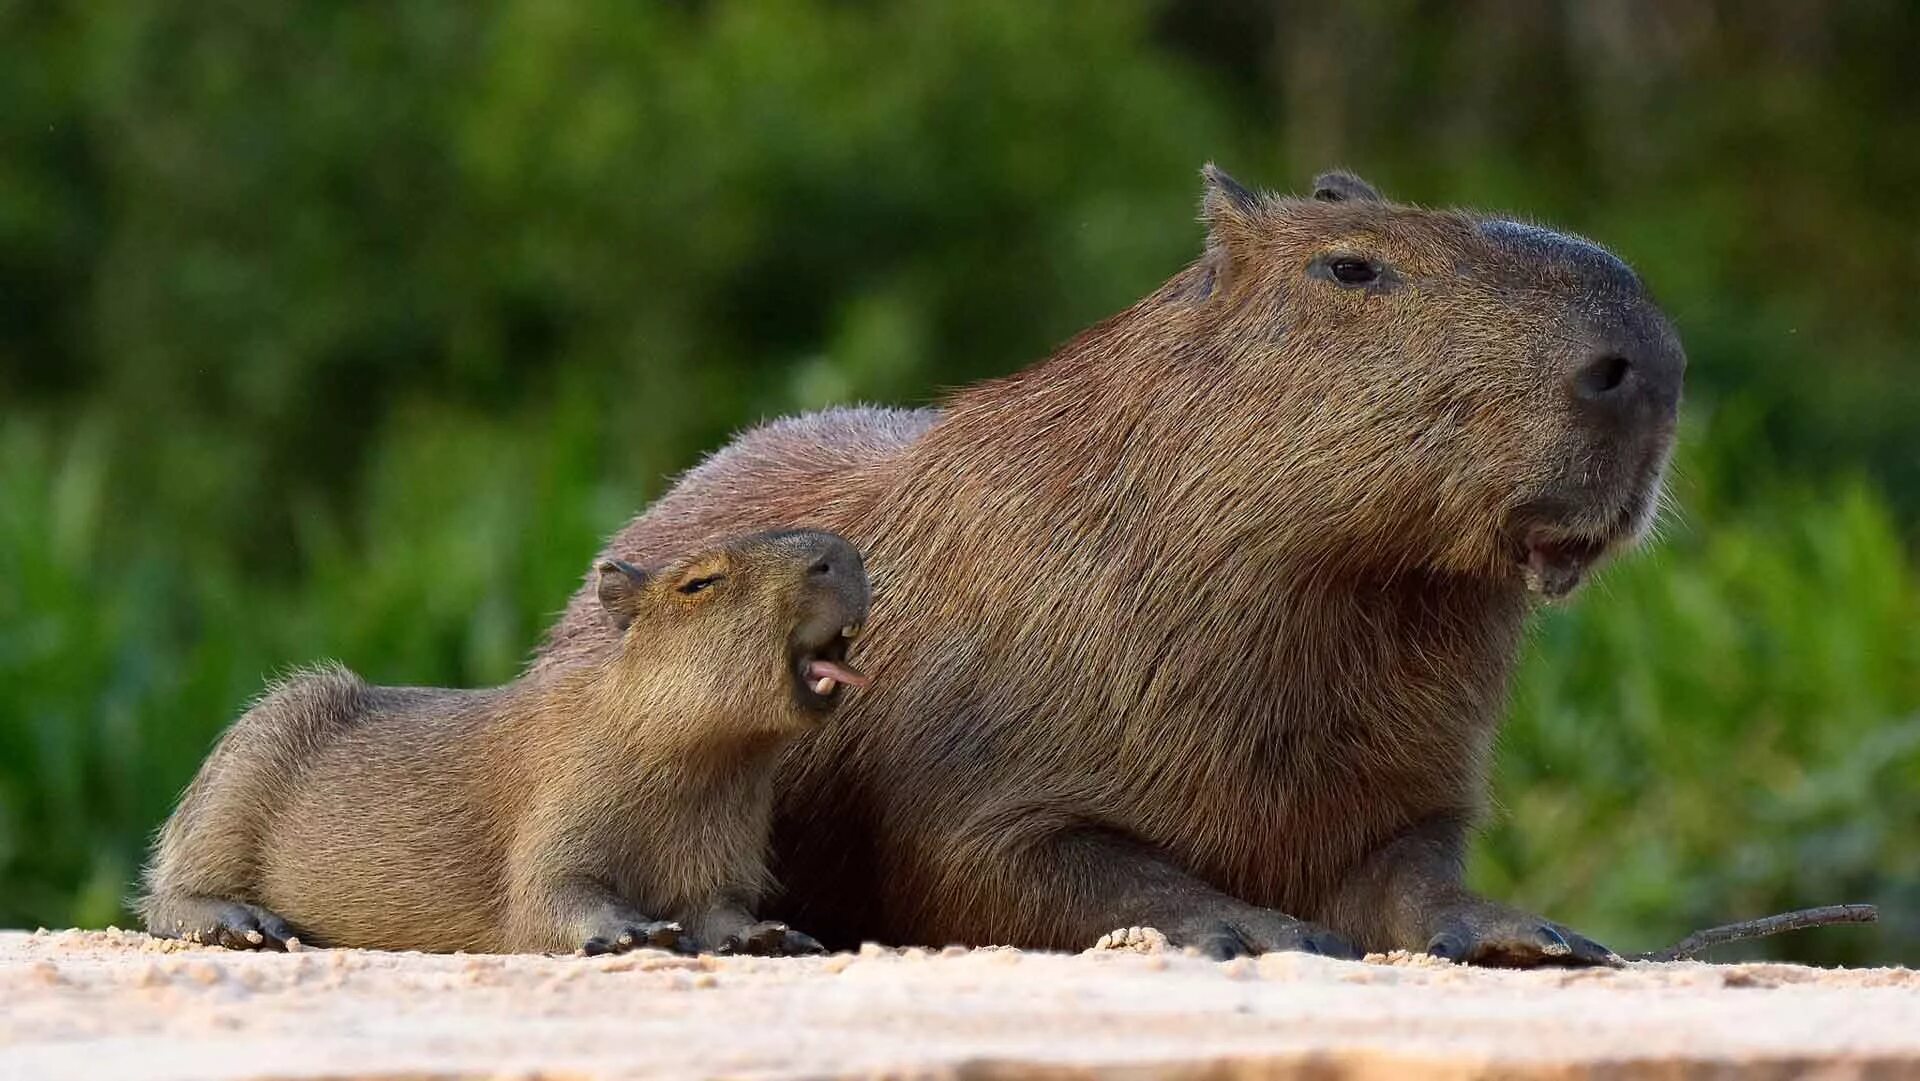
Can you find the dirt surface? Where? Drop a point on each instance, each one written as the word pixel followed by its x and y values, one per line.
pixel 112 1004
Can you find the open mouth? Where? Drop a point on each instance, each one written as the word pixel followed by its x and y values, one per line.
pixel 820 671
pixel 1554 565
pixel 1554 560
pixel 1556 543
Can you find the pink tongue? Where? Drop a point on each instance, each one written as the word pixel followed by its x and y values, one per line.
pixel 834 670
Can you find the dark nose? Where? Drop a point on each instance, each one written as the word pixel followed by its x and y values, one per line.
pixel 1603 376
pixel 836 565
pixel 1629 378
pixel 835 559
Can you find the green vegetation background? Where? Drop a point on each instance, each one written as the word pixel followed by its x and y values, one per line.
pixel 348 330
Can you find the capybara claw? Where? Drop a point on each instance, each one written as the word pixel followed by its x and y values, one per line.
pixel 770 938
pixel 1260 931
pixel 1328 944
pixel 1496 936
pixel 800 944
pixel 234 925
pixel 663 935
pixel 650 934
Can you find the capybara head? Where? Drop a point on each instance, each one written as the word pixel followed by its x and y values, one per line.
pixel 754 631
pixel 1454 391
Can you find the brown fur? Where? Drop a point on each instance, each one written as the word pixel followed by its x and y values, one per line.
pixel 570 807
pixel 1206 621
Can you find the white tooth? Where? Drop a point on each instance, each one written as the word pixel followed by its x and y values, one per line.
pixel 850 630
pixel 824 686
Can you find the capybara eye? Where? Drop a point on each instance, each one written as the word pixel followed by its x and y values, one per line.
pixel 698 584
pixel 1348 270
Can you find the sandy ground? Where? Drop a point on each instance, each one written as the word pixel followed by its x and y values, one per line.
pixel 114 1004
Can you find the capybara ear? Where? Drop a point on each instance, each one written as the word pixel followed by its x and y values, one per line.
pixel 1222 197
pixel 1231 212
pixel 1342 187
pixel 620 587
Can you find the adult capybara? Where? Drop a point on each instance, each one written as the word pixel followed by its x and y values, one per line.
pixel 596 807
pixel 1205 622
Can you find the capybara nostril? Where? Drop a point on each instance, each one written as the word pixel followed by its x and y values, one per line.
pixel 1602 376
pixel 836 561
pixel 827 564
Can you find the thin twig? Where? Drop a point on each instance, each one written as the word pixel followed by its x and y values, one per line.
pixel 1799 920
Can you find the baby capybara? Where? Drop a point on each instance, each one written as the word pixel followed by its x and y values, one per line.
pixel 1206 621
pixel 606 806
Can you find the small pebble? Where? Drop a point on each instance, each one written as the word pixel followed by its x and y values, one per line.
pixel 1133 940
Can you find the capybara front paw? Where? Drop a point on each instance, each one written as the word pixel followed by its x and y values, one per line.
pixel 1486 933
pixel 642 934
pixel 233 924
pixel 1257 931
pixel 770 938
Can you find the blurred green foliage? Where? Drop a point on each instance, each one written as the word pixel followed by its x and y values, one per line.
pixel 332 330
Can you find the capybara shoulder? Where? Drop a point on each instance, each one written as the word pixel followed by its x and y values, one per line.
pixel 313 696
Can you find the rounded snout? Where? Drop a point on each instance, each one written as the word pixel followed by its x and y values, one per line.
pixel 833 613
pixel 834 597
pixel 1628 378
pixel 836 573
